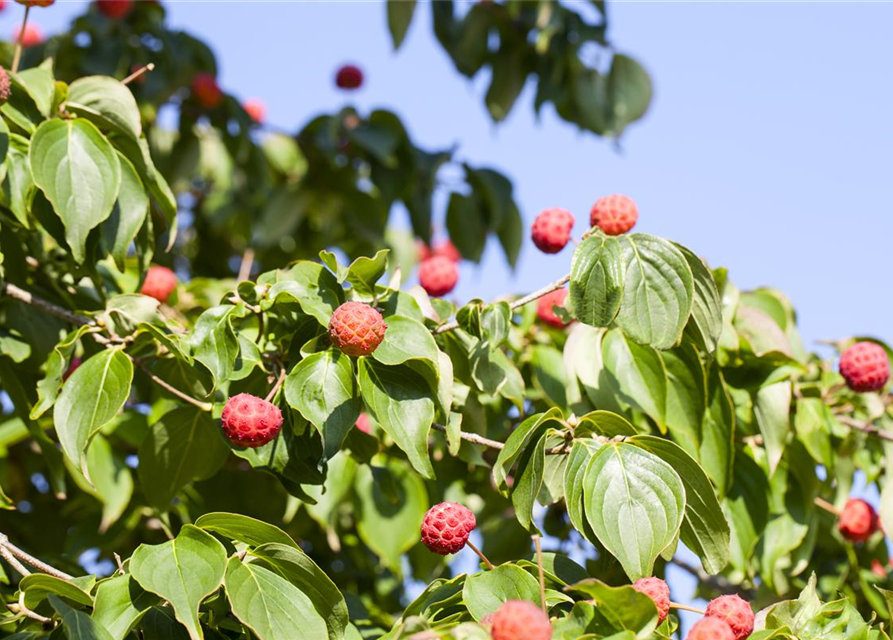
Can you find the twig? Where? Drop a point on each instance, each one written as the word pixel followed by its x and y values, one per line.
pixel 539 564
pixel 39 303
pixel 247 263
pixel 865 427
pixel 6 545
pixel 15 564
pixel 676 605
pixel 480 555
pixel 276 386
pixel 204 406
pixel 21 609
pixel 120 563
pixel 520 302
pixel 136 74
pixel 473 438
pixel 827 506
pixel 17 56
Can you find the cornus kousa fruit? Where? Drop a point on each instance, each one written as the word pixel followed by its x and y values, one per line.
pixel 356 328
pixel 362 424
pixel 30 36
pixel 438 275
pixel 36 3
pixel 735 612
pixel 520 620
pixel 710 629
pixel 349 77
pixel 857 520
pixel 206 91
pixel 446 249
pixel 658 591
pixel 160 283
pixel 551 230
pixel 865 367
pixel 255 109
pixel 114 9
pixel 5 89
pixel 545 308
pixel 446 528
pixel 614 215
pixel 249 421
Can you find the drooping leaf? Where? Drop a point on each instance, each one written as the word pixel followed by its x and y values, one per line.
pixel 214 342
pixel 399 18
pixel 107 103
pixel 638 373
pixel 596 285
pixel 486 591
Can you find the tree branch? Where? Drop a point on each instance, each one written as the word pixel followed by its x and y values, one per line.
pixel 39 303
pixel 520 302
pixel 6 547
pixel 204 406
pixel 473 438
pixel 865 427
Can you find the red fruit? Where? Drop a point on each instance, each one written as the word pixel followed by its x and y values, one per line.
pixel 206 91
pixel 160 283
pixel 349 77
pixel 658 591
pixel 520 620
pixel 735 612
pixel 857 521
pixel 356 328
pixel 423 251
pixel 36 3
pixel 363 425
pixel 709 628
pixel 438 275
pixel 74 364
pixel 249 421
pixel 614 214
pixel 544 309
pixel 255 109
pixel 2 5
pixel 446 527
pixel 865 367
pixel 878 569
pixel 114 9
pixel 552 229
pixel 31 36
pixel 448 250
pixel 5 87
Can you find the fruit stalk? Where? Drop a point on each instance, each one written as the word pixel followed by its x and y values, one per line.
pixel 17 56
pixel 480 555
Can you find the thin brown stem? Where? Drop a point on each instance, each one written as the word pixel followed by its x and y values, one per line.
pixel 473 438
pixel 11 560
pixel 520 302
pixel 39 303
pixel 683 607
pixel 204 406
pixel 276 386
pixel 136 74
pixel 21 609
pixel 865 427
pixel 247 263
pixel 480 555
pixel 6 545
pixel 539 564
pixel 827 506
pixel 17 56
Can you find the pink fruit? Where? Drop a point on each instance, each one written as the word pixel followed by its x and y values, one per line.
pixel 551 230
pixel 614 215
pixel 249 421
pixel 865 367
pixel 356 328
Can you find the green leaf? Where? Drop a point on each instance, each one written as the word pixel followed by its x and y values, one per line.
pixel 272 607
pixel 245 529
pixel 658 290
pixel 399 17
pixel 704 529
pixel 18 187
pixel 128 215
pixel 638 373
pixel 295 566
pixel 406 339
pixel 686 396
pixel 311 286
pixel 111 480
pixel 511 234
pixel 529 481
pixel 159 623
pixel 717 450
pixel 530 430
pixel 41 86
pixel 624 607
pixel 392 505
pixel 402 403
pixel 120 603
pixel 107 103
pixel 91 397
pixel 214 342
pixel 138 153
pixel 596 285
pixel 323 389
pixel 38 586
pixel 467 226
pixel 78 625
pixel 364 272
pixel 183 571
pixel 4 139
pixel 184 445
pixel 629 86
pixel 772 409
pixel 78 171
pixel 507 80
pixel 635 503
pixel 705 324
pixel 486 591
pixel 604 423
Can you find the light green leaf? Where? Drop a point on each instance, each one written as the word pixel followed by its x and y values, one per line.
pixel 624 607
pixel 530 430
pixel 596 285
pixel 245 529
pixel 77 624
pixel 41 86
pixel 717 450
pixel 111 479
pixel 311 286
pixel 686 396
pixel 107 103
pixel 77 169
pixel 18 186
pixel 214 342
pixel 128 215
pixel 705 324
pixel 772 409
pixel 638 373
pixel 406 339
pixel 486 591
pixel 38 586
pixel 364 272
pixel 120 603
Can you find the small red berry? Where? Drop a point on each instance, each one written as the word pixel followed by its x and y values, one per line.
pixel 72 366
pixel 249 421
pixel 551 230
pixel 658 591
pixel 865 367
pixel 520 620
pixel 349 77
pixel 160 283
pixel 857 520
pixel 2 5
pixel 614 214
pixel 735 612
pixel 356 328
pixel 255 109
pixel 5 86
pixel 709 628
pixel 448 250
pixel 545 310
pixel 438 275
pixel 114 9
pixel 363 425
pixel 206 91
pixel 31 36
pixel 446 528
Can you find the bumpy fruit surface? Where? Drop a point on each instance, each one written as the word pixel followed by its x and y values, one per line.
pixel 438 275
pixel 520 620
pixel 356 328
pixel 31 36
pixel 362 424
pixel 206 91
pixel 249 421
pixel 865 367
pixel 349 77
pixel 658 591
pixel 114 9
pixel 735 612
pixel 545 310
pixel 614 214
pixel 709 628
pixel 5 89
pixel 551 230
pixel 160 283
pixel 446 527
pixel 255 109
pixel 36 3
pixel 857 521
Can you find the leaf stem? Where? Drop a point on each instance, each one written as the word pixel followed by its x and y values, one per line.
pixel 827 506
pixel 136 74
pixel 683 607
pixel 473 438
pixel 17 56
pixel 204 406
pixel 480 555
pixel 276 386
pixel 539 564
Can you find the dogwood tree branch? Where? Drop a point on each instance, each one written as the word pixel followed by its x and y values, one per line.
pixel 44 305
pixel 6 547
pixel 204 406
pixel 865 427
